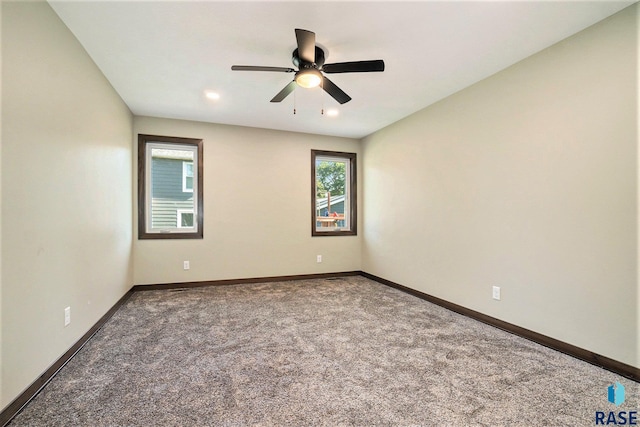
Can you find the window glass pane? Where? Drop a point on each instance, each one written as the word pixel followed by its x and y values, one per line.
pixel 331 193
pixel 167 195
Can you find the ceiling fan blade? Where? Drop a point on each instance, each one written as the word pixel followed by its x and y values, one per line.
pixel 334 91
pixel 306 45
pixel 257 68
pixel 284 92
pixel 354 67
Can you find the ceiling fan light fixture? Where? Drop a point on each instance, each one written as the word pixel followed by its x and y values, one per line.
pixel 308 78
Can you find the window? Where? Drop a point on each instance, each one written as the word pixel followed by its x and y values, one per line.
pixel 185 218
pixel 169 188
pixel 187 177
pixel 333 193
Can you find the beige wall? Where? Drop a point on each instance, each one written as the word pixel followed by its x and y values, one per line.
pixel 528 181
pixel 1 394
pixel 257 208
pixel 637 10
pixel 66 195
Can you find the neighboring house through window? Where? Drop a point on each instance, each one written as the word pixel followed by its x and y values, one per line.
pixel 169 188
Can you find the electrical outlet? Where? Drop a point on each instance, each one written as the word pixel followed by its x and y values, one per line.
pixel 496 293
pixel 319 258
pixel 67 316
pixel 186 265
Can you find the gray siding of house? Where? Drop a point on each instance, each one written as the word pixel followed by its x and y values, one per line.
pixel 166 192
pixel 338 207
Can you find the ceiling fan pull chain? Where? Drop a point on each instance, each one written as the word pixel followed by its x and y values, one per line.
pixel 294 102
pixel 322 95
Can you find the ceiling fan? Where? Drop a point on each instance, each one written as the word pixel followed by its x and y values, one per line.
pixel 309 59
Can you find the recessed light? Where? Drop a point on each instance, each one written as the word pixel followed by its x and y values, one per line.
pixel 212 95
pixel 332 112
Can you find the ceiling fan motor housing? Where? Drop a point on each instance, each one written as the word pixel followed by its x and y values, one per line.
pixel 295 58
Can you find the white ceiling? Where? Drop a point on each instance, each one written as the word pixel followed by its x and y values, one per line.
pixel 162 56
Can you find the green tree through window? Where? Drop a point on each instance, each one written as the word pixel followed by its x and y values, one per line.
pixel 331 177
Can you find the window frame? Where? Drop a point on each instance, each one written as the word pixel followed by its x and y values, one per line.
pixel 144 199
pixel 351 190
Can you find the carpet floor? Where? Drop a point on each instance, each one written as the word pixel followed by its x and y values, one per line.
pixel 341 352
